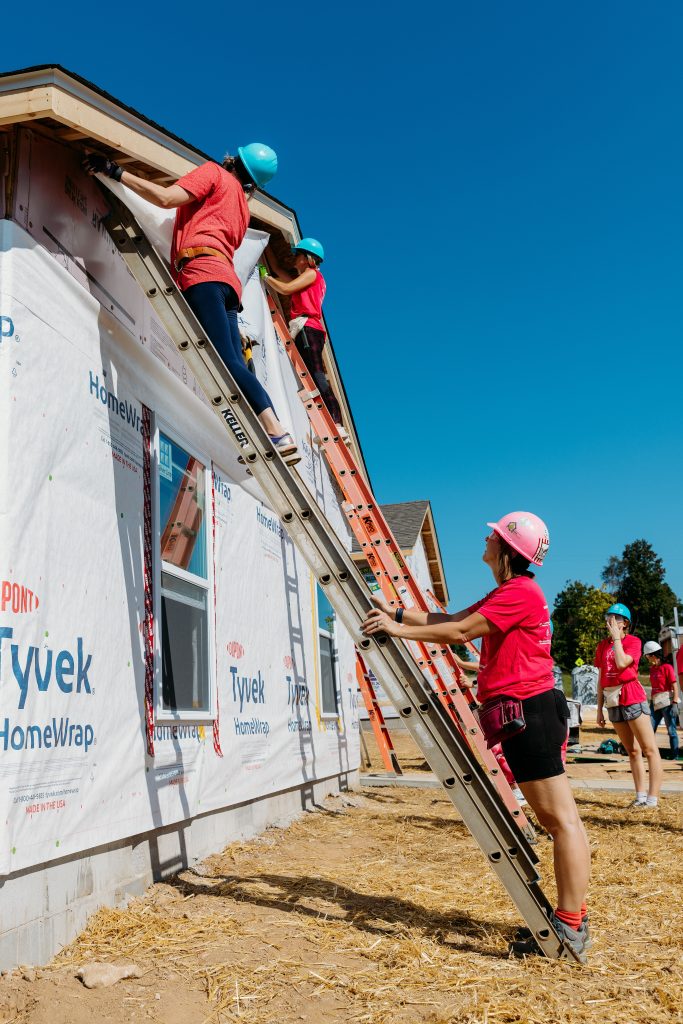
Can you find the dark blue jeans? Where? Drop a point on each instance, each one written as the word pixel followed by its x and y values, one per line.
pixel 656 714
pixel 215 305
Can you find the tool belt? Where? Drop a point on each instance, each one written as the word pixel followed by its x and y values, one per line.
pixel 661 700
pixel 183 255
pixel 610 695
pixel 501 718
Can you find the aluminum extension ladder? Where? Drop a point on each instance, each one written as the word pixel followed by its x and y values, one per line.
pixel 503 843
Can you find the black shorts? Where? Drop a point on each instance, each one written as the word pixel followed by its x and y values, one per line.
pixel 536 753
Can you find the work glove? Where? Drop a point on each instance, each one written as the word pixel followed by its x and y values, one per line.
pixel 95 163
pixel 674 710
pixel 262 271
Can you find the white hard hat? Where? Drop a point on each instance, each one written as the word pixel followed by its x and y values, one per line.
pixel 651 647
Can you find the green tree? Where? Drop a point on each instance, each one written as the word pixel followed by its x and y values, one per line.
pixel 578 623
pixel 637 578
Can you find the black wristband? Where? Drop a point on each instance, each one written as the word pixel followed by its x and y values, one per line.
pixel 398 615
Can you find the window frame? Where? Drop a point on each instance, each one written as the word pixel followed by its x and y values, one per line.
pixel 334 660
pixel 160 425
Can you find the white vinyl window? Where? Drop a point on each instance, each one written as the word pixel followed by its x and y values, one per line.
pixel 329 699
pixel 184 613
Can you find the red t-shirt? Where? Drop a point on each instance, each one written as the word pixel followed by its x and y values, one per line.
pixel 515 658
pixel 631 690
pixel 218 217
pixel 309 303
pixel 662 677
pixel 679 661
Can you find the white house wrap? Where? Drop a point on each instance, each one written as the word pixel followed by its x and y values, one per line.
pixel 82 357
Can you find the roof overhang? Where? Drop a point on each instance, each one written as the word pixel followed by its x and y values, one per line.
pixel 433 552
pixel 75 111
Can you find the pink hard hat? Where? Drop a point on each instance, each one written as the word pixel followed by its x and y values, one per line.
pixel 526 533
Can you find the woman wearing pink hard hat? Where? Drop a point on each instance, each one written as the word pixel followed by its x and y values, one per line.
pixel 520 707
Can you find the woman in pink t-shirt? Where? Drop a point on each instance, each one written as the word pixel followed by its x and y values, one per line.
pixel 664 694
pixel 211 220
pixel 619 691
pixel 307 291
pixel 516 674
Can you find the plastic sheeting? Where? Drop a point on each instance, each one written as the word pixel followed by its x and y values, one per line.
pixel 74 376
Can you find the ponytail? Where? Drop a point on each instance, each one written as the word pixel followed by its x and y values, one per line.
pixel 234 165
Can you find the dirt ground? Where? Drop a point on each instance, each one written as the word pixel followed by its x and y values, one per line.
pixel 379 908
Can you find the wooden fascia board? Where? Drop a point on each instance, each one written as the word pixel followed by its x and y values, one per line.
pixel 16 107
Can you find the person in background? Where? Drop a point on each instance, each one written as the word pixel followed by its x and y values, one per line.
pixel 211 220
pixel 619 691
pixel 307 291
pixel 664 694
pixel 516 673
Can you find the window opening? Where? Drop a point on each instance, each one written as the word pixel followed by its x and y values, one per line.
pixel 328 655
pixel 185 618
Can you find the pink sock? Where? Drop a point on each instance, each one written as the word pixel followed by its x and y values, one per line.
pixel 572 919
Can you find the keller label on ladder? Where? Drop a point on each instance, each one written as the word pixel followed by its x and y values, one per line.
pixel 234 425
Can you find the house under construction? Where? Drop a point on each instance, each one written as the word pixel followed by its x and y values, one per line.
pixel 172 675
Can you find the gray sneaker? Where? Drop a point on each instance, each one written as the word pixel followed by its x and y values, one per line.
pixel 577 941
pixel 525 933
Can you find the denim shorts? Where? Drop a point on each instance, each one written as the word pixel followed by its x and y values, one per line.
pixel 627 712
pixel 536 753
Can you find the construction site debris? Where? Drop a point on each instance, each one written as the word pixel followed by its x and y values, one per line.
pixel 101 975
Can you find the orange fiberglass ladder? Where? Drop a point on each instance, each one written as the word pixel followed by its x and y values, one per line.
pixel 375 715
pixel 394 577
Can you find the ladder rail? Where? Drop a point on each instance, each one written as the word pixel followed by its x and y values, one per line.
pixel 468 786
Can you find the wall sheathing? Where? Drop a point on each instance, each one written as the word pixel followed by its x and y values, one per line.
pixel 89 815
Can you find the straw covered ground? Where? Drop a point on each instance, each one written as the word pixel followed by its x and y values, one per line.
pixel 378 908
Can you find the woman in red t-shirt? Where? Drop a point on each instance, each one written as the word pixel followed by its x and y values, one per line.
pixel 307 291
pixel 619 691
pixel 516 668
pixel 664 694
pixel 211 220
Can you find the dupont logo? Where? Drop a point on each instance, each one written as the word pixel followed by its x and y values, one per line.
pixel 17 598
pixel 7 327
pixel 235 649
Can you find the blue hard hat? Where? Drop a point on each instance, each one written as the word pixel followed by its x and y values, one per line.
pixel 260 161
pixel 311 245
pixel 619 609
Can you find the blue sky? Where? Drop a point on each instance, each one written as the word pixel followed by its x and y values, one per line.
pixel 498 189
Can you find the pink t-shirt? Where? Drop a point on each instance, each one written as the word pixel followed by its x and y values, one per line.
pixel 631 690
pixel 662 677
pixel 515 658
pixel 218 218
pixel 309 302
